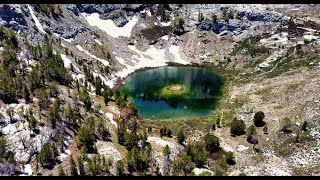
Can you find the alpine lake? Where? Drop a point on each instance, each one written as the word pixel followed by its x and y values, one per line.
pixel 173 92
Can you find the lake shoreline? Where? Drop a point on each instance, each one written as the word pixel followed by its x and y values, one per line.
pixel 152 97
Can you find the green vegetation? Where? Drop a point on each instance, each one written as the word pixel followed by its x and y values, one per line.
pixel 183 166
pixel 166 150
pixel 250 46
pixel 165 131
pixel 237 127
pixel 251 131
pixel 173 90
pixel 73 167
pixel 197 153
pixel 60 171
pixel 212 143
pixel 97 166
pixel 181 137
pixel 47 155
pixel 286 125
pixel 119 168
pixel 138 160
pixel 258 119
pixel 80 166
pixel 304 126
pixel 3 148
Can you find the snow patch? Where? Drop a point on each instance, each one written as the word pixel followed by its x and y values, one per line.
pixel 36 21
pixel 103 61
pixel 175 51
pixel 153 57
pixel 110 117
pixel 27 170
pixel 310 37
pixel 241 148
pixel 65 154
pixel 66 60
pixel 97 41
pixel 166 23
pixel 108 25
pixel 165 37
pixel 147 11
pixel 68 40
pixel 198 171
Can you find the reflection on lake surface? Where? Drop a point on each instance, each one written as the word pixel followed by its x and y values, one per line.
pixel 144 90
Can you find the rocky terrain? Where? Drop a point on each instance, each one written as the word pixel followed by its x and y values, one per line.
pixel 267 54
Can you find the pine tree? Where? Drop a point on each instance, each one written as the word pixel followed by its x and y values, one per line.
pixel 32 120
pixel 183 166
pixel 3 148
pixel 10 112
pixel 25 92
pixel 81 166
pixel 60 171
pixel 304 126
pixel 166 150
pixel 180 137
pixel 73 167
pixel 119 168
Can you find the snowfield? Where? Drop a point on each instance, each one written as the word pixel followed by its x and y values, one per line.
pixel 153 57
pixel 109 27
pixel 175 51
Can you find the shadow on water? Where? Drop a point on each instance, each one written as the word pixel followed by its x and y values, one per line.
pixel 143 89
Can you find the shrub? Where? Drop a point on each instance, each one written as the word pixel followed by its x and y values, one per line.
pixel 180 137
pixel 212 143
pixel 237 127
pixel 258 119
pixel 304 126
pixel 286 125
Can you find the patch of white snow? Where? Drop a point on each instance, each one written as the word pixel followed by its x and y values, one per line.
pixel 108 25
pixel 36 21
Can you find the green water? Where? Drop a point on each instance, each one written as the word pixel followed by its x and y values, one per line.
pixel 143 90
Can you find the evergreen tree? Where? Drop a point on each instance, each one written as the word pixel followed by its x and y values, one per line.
pixel 265 129
pixel 166 150
pixel 60 171
pixel 180 137
pixel 258 119
pixel 81 166
pixel 73 167
pixel 183 166
pixel 25 92
pixel 304 126
pixel 3 148
pixel 211 143
pixel 32 120
pixel 197 153
pixel 10 112
pixel 119 168
pixel 237 127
